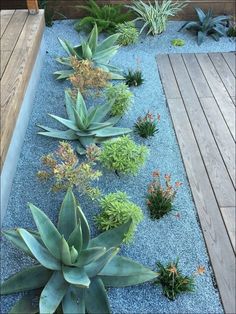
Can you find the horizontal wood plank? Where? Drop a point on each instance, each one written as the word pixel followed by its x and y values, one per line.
pixel 229 216
pixel 16 76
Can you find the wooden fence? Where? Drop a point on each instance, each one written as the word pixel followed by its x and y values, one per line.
pixel 67 7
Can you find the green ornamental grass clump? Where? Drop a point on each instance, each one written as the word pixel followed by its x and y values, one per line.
pixel 120 97
pixel 172 280
pixel 123 155
pixel 160 198
pixel 117 210
pixel 147 126
pixel 128 33
pixel 134 78
pixel 71 271
pixel 178 42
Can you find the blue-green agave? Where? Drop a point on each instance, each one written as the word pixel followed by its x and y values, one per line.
pixel 71 270
pixel 85 125
pixel 99 54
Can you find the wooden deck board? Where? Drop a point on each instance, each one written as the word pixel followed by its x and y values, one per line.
pixel 230 58
pixel 219 91
pixel 208 152
pixel 6 16
pixel 17 73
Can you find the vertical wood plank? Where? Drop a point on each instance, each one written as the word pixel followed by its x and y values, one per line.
pixel 6 16
pixel 229 216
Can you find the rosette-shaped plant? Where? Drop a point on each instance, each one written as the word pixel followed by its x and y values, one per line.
pixel 85 125
pixel 99 54
pixel 72 270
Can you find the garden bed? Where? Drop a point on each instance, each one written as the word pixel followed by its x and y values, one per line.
pixel 166 239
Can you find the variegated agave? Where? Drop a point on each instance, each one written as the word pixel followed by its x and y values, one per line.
pixel 85 125
pixel 73 270
pixel 99 54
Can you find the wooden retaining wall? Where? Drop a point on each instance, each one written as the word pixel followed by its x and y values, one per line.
pixel 67 7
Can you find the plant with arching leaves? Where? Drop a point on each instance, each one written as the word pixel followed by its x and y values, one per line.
pixel 71 270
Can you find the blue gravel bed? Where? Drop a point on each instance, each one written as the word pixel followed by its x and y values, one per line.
pixel 163 240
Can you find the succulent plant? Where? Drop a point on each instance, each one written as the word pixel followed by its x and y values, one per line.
pixel 85 125
pixel 71 270
pixel 147 126
pixel 177 42
pixel 128 33
pixel 105 16
pixel 155 15
pixel 99 54
pixel 208 25
pixel 134 78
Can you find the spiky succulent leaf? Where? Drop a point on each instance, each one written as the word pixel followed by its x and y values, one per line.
pixel 39 251
pixel 76 276
pixel 15 238
pixel 122 272
pixel 25 305
pixel 89 255
pixel 31 278
pixel 53 293
pixel 64 135
pixel 111 238
pixel 97 293
pixel 65 252
pixel 67 216
pixel 76 238
pixel 70 303
pixel 99 54
pixel 48 232
pixel 94 268
pixel 84 227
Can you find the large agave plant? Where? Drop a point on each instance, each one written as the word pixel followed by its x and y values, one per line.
pixel 208 25
pixel 71 270
pixel 85 125
pixel 100 54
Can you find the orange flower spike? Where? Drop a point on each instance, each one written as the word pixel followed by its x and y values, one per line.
pixel 156 174
pixel 158 117
pixel 173 270
pixel 178 184
pixel 200 270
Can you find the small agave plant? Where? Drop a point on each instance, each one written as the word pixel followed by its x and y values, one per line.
pixel 85 125
pixel 99 54
pixel 71 270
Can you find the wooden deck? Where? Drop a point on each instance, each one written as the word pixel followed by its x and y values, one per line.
pixel 21 35
pixel 200 92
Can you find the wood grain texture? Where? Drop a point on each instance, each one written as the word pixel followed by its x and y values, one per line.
pixel 219 247
pixel 167 77
pixel 230 58
pixel 229 217
pixel 224 72
pixel 218 89
pixel 221 134
pixel 16 76
pixel 207 149
pixel 215 166
pixel 5 17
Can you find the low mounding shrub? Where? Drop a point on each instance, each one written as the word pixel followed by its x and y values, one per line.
pixel 173 282
pixel 120 97
pixel 160 199
pixel 178 42
pixel 71 271
pixel 128 33
pixel 123 155
pixel 207 25
pixel 147 126
pixel 87 77
pixel 155 16
pixel 134 78
pixel 105 16
pixel 117 210
pixel 62 167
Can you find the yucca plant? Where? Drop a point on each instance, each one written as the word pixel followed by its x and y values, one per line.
pixel 71 269
pixel 105 16
pixel 87 126
pixel 155 16
pixel 98 53
pixel 208 25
